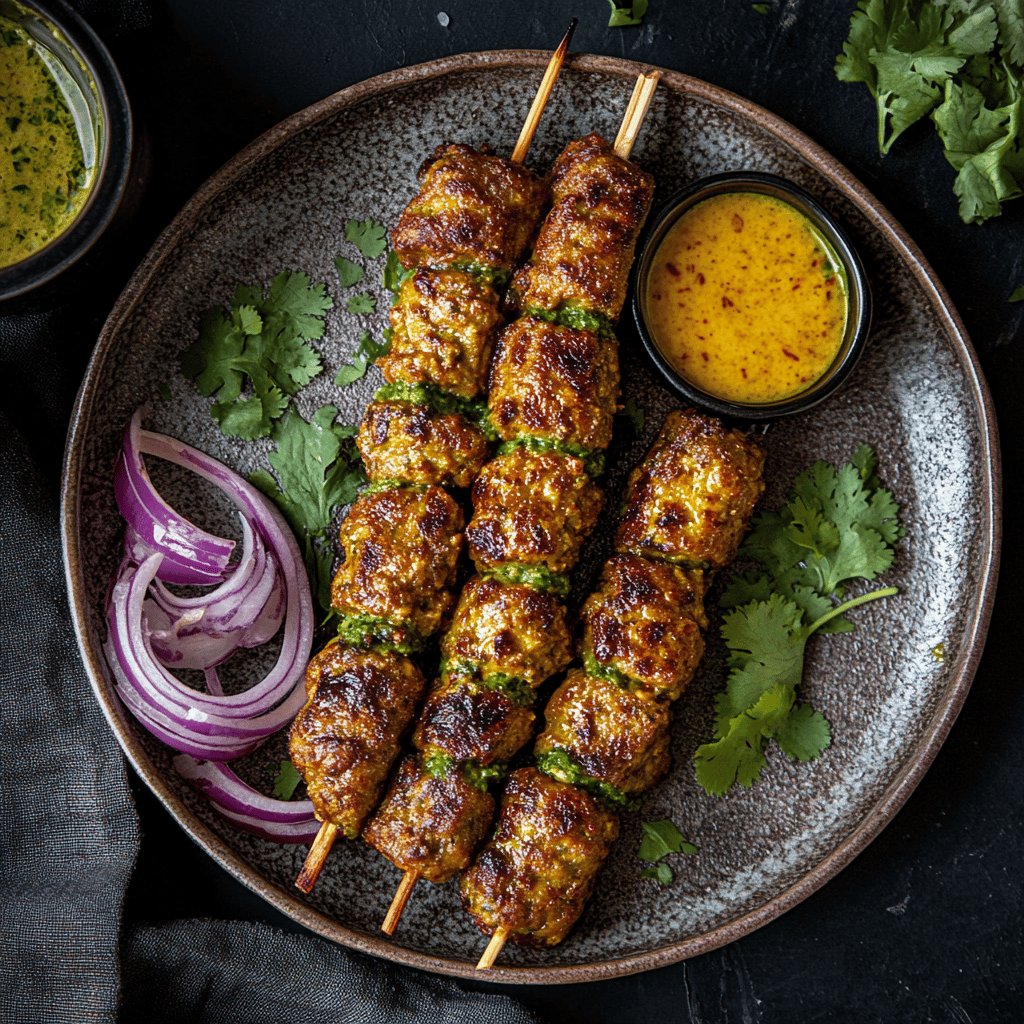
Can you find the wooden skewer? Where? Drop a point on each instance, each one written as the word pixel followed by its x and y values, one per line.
pixel 547 83
pixel 402 894
pixel 493 950
pixel 316 857
pixel 636 111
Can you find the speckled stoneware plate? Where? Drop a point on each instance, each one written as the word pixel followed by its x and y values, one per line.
pixel 917 396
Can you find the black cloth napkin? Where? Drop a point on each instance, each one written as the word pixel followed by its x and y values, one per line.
pixel 69 837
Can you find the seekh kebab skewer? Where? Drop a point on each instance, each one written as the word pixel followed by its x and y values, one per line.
pixel 462 235
pixel 607 726
pixel 553 392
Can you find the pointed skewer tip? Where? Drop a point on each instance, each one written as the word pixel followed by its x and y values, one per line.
pixel 547 84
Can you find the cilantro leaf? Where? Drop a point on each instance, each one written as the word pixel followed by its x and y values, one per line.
pixel 362 303
pixel 1017 295
pixel 317 470
pixel 287 781
pixel 661 873
pixel 662 838
pixel 349 273
pixel 838 525
pixel 366 351
pixel 626 12
pixel 960 61
pixel 252 359
pixel 369 237
pixel 762 8
pixel 394 274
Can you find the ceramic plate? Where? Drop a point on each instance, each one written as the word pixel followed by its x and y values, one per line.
pixel 917 396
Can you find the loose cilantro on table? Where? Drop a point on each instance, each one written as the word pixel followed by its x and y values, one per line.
pixel 761 8
pixel 367 350
pixel 364 302
pixel 368 236
pixel 394 274
pixel 255 357
pixel 626 12
pixel 634 412
pixel 962 62
pixel 349 273
pixel 838 526
pixel 660 839
pixel 318 470
pixel 287 781
pixel 1017 295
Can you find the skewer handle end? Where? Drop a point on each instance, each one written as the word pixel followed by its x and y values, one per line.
pixel 402 894
pixel 315 858
pixel 493 950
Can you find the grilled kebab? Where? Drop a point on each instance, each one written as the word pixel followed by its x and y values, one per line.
pixel 607 725
pixel 461 237
pixel 554 384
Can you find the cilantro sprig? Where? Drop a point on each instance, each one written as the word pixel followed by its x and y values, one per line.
pixel 317 470
pixel 661 838
pixel 960 61
pixel 255 357
pixel 626 12
pixel 838 526
pixel 287 781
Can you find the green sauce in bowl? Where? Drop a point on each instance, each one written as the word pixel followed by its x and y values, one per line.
pixel 47 146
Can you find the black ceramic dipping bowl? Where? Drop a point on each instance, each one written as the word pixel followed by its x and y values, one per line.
pixel 102 108
pixel 858 320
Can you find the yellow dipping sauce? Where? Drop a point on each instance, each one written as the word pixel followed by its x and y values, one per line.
pixel 45 173
pixel 745 299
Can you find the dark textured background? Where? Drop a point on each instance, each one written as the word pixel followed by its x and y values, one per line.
pixel 925 925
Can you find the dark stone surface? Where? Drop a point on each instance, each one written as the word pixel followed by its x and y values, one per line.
pixel 926 924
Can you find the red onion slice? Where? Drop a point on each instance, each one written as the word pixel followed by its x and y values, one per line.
pixel 213 726
pixel 229 792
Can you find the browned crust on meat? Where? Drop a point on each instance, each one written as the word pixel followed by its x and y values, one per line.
pixel 403 441
pixel 344 740
pixel 554 382
pixel 471 205
pixel 534 878
pixel 430 825
pixel 691 500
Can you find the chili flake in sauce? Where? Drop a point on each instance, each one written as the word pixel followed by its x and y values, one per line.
pixel 746 300
pixel 44 173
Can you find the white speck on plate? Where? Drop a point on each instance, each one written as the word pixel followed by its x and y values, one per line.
pixel 442 19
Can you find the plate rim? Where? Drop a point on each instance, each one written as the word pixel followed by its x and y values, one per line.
pixel 900 787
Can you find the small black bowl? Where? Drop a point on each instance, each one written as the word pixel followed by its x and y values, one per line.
pixel 78 51
pixel 858 321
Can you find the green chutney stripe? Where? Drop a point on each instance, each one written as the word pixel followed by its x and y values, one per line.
pixel 376 631
pixel 593 461
pixel 439 401
pixel 479 776
pixel 575 317
pixel 513 687
pixel 539 577
pixel 560 765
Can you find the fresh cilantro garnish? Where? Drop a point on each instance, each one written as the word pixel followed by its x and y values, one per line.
pixel 394 274
pixel 660 839
pixel 369 237
pixel 318 470
pixel 839 525
pixel 366 352
pixel 962 62
pixel 761 8
pixel 364 302
pixel 626 12
pixel 349 273
pixel 634 412
pixel 261 341
pixel 1017 295
pixel 287 781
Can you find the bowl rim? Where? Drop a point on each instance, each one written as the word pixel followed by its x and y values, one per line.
pixel 111 176
pixel 858 327
pixel 934 732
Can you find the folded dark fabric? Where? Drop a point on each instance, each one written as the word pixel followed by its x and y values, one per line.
pixel 69 837
pixel 244 973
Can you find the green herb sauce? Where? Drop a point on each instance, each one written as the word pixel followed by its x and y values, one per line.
pixel 593 461
pixel 46 159
pixel 540 577
pixel 561 766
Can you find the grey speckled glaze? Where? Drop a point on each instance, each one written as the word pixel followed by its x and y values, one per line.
pixel 916 395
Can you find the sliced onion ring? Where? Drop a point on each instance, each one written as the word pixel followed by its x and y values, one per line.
pixel 211 726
